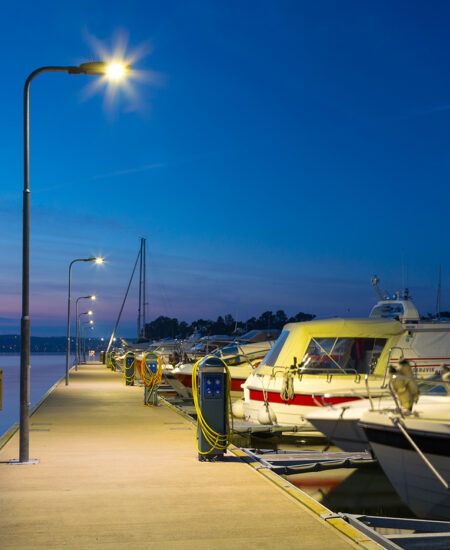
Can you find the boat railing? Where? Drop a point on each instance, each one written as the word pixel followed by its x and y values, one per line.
pixel 388 362
pixel 246 356
pixel 429 381
pixel 366 381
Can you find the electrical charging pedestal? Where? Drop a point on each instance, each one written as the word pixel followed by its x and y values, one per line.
pixel 151 374
pixel 130 365
pixel 212 403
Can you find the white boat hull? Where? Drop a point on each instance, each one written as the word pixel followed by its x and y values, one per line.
pixel 410 476
pixel 340 424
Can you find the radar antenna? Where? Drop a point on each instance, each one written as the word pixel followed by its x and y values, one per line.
pixel 438 296
pixel 375 280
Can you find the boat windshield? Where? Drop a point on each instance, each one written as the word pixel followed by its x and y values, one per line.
pixel 346 355
pixel 387 311
pixel 227 350
pixel 249 335
pixel 234 355
pixel 435 386
pixel 271 358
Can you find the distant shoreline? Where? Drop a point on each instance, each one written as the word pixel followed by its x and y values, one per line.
pixel 35 353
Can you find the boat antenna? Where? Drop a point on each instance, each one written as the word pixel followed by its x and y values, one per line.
pixel 403 271
pixel 375 280
pixel 438 296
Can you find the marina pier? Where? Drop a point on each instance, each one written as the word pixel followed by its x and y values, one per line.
pixel 114 473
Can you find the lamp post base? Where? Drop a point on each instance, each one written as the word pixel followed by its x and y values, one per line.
pixel 17 462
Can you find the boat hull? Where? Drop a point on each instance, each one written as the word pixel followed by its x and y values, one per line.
pixel 412 479
pixel 310 394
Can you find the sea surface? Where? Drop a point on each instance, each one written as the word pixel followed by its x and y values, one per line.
pixel 46 370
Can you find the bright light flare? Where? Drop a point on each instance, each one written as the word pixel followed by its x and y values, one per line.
pixel 91 322
pixel 90 312
pixel 99 260
pixel 118 84
pixel 93 297
pixel 115 71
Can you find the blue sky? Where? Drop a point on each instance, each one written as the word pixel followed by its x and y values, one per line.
pixel 276 156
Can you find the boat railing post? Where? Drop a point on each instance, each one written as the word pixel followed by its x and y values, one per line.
pixel 366 381
pixel 394 394
pixel 388 360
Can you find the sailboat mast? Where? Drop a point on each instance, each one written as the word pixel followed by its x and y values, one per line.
pixel 144 284
pixel 140 293
pixel 123 303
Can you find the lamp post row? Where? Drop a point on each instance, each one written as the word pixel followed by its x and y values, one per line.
pixel 112 70
pixel 91 297
pixel 77 340
pixel 97 261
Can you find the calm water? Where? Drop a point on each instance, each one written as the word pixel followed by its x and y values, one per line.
pixel 356 491
pixel 46 369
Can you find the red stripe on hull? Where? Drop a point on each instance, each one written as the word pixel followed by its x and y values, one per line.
pixel 300 399
pixel 423 359
pixel 236 384
pixel 185 379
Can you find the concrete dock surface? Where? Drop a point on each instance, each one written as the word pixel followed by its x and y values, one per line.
pixel 113 473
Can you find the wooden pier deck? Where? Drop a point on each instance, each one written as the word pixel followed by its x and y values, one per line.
pixel 115 474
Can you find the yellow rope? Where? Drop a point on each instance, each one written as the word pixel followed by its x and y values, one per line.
pixel 150 380
pixel 217 440
pixel 129 379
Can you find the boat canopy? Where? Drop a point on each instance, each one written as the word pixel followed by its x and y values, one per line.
pixel 329 337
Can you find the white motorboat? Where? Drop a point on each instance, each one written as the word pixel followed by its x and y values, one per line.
pixel 326 362
pixel 414 451
pixel 340 423
pixel 241 359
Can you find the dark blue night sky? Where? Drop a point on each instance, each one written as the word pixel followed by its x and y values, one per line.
pixel 275 154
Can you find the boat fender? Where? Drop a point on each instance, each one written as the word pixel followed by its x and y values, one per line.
pixel 237 408
pixel 266 415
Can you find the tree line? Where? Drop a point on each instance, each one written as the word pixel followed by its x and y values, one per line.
pixel 166 327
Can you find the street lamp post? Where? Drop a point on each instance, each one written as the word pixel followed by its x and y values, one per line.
pixel 111 70
pixel 97 261
pixel 77 355
pixel 77 345
pixel 84 325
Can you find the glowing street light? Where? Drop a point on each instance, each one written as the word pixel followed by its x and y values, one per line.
pixel 85 326
pixel 97 260
pixel 77 354
pixel 115 70
pixel 94 68
pixel 78 345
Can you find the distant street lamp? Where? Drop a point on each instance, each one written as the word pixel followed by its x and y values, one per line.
pixel 92 297
pixel 77 323
pixel 87 325
pixel 110 70
pixel 97 261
